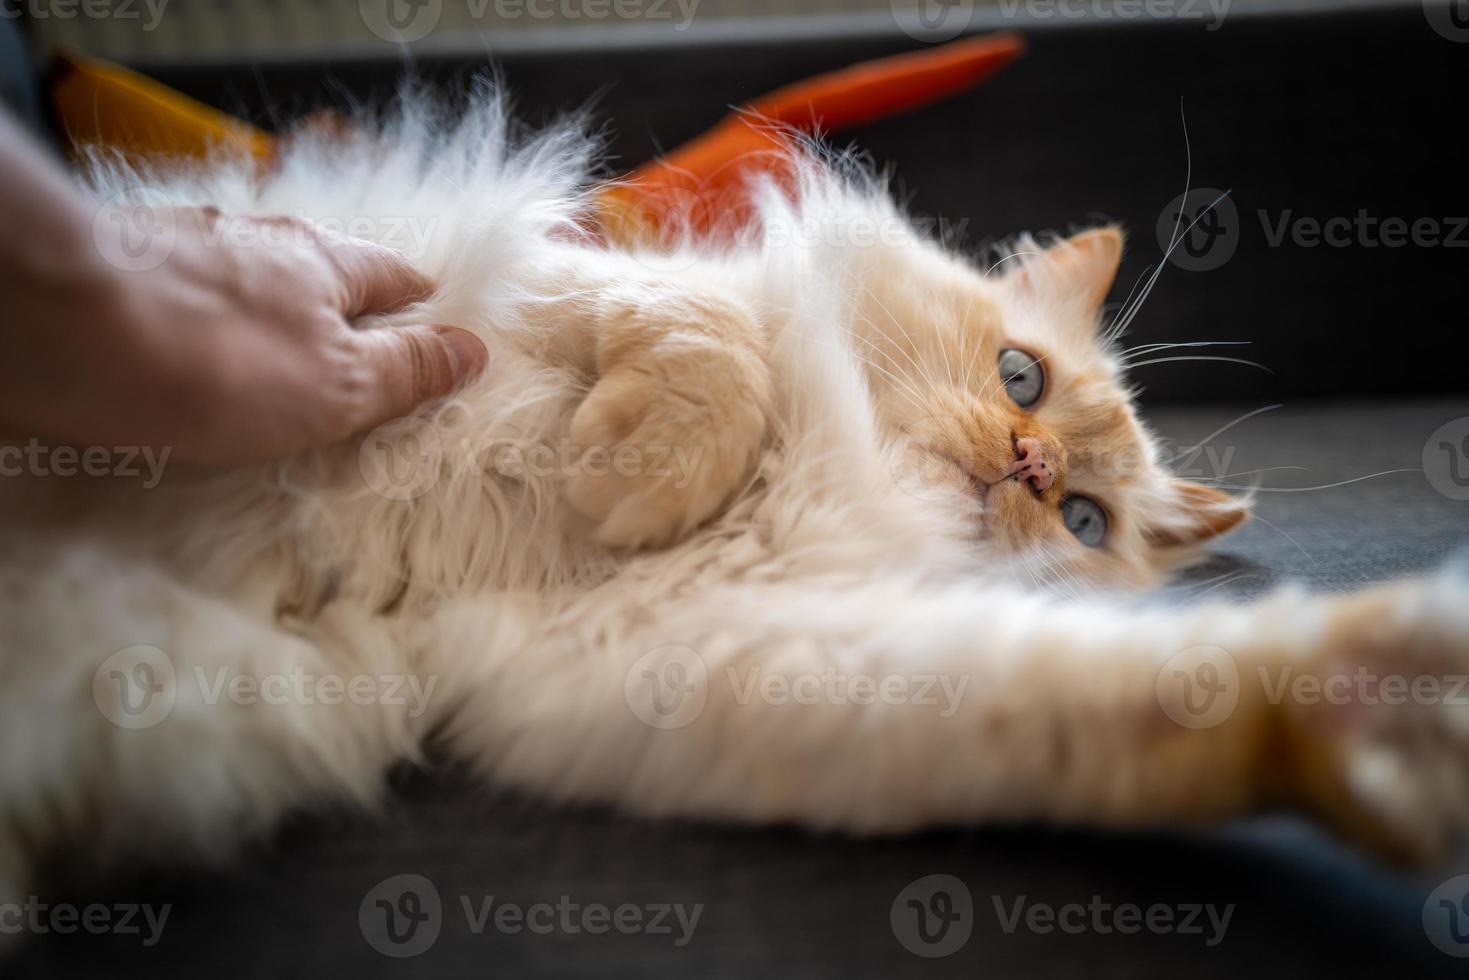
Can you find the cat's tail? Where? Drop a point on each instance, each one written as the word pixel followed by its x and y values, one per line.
pixel 886 705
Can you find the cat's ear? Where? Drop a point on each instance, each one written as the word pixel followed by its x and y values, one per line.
pixel 1198 514
pixel 1081 267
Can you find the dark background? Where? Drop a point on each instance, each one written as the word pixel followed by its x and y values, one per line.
pixel 1308 115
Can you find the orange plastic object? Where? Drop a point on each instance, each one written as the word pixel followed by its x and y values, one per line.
pixel 99 103
pixel 700 186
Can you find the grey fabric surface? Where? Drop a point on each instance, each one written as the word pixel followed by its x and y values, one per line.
pixel 1381 525
pixel 777 902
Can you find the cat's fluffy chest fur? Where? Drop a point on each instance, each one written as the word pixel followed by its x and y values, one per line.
pixel 843 499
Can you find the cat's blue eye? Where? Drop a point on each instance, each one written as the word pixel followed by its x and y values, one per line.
pixel 1025 379
pixel 1085 519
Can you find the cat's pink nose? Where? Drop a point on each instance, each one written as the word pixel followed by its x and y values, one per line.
pixel 1032 465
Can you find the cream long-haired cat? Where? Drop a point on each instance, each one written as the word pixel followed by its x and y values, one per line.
pixel 825 527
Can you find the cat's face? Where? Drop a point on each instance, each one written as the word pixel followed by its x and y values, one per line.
pixel 1011 405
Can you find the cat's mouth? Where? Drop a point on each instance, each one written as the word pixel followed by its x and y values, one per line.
pixel 975 486
pixel 978 486
pixel 982 493
pixel 969 482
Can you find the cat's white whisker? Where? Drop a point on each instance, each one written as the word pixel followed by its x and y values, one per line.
pixel 925 374
pixel 1323 486
pixel 1197 590
pixel 1227 426
pixel 1282 533
pixel 1124 319
pixel 1217 480
pixel 1146 349
pixel 1201 357
pixel 1012 255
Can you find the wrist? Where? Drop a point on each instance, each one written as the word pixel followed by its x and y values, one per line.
pixel 77 318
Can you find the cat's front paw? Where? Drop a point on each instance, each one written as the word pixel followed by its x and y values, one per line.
pixel 665 441
pixel 1378 726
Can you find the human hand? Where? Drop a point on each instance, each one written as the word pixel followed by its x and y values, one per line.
pixel 236 348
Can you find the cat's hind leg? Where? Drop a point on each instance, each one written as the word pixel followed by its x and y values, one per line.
pixel 140 719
